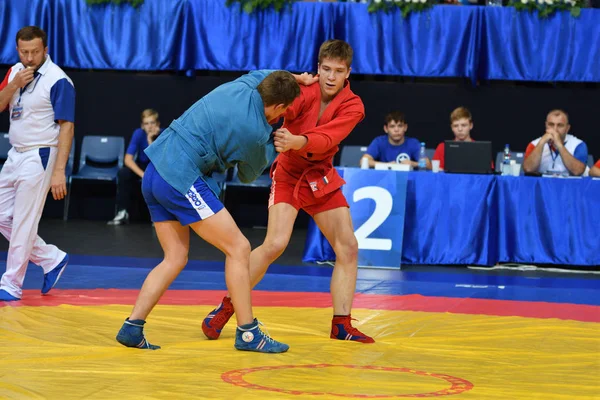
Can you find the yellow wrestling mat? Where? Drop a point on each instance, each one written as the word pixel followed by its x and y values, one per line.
pixel 69 352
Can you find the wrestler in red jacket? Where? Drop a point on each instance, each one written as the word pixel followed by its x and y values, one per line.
pixel 304 177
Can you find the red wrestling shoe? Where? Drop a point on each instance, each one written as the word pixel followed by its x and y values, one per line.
pixel 217 319
pixel 342 329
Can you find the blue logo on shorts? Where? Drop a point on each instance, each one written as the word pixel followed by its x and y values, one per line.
pixel 193 197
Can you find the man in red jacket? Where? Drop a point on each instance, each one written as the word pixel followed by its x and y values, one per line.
pixel 304 177
pixel 595 170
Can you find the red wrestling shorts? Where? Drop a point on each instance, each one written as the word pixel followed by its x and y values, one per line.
pixel 311 190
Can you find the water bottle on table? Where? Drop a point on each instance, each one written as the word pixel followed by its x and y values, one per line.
pixel 422 158
pixel 506 161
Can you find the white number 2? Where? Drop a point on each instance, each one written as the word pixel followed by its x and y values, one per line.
pixel 383 208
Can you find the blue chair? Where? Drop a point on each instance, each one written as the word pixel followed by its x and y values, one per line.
pixel 590 162
pixel 429 153
pixel 71 161
pixel 221 179
pixel 100 160
pixel 68 173
pixel 263 181
pixel 519 156
pixel 350 156
pixel 4 147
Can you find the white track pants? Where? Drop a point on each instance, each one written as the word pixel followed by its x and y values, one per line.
pixel 24 186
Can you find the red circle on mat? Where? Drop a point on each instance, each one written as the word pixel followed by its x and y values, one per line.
pixel 457 385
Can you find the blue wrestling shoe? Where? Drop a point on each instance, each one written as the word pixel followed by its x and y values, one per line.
pixel 249 337
pixel 132 335
pixel 53 276
pixel 5 296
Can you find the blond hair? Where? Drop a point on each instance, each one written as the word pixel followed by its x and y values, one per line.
pixel 460 113
pixel 149 112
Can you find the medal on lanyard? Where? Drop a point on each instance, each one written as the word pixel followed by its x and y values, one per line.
pixel 17 110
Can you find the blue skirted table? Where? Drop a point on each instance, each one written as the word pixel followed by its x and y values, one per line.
pixel 486 219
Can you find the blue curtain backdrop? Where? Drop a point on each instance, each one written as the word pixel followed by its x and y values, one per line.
pixel 521 46
pixel 447 41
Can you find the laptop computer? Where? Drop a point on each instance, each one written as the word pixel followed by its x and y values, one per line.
pixel 468 157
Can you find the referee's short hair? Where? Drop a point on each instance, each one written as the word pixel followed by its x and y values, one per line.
pixel 32 32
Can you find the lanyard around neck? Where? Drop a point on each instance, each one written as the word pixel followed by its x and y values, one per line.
pixel 35 81
pixel 553 154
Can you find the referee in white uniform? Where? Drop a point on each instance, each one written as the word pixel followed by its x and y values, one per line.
pixel 41 103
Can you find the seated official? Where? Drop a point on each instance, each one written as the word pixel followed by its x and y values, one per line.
pixel 461 123
pixel 136 162
pixel 394 147
pixel 557 151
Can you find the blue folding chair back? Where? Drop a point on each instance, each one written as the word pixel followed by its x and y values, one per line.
pixel 263 180
pixel 351 155
pixel 101 157
pixel 71 161
pixel 100 160
pixel 429 153
pixel 233 180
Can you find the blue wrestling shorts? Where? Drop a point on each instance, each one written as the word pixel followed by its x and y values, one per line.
pixel 167 204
